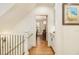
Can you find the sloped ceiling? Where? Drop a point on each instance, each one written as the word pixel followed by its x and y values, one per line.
pixel 4 7
pixel 14 15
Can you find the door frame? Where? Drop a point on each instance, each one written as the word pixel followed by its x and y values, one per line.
pixel 46 26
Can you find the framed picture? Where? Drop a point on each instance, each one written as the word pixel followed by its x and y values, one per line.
pixel 70 14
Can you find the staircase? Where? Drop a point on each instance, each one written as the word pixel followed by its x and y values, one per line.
pixel 12 44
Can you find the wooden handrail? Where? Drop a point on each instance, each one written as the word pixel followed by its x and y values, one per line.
pixel 30 35
pixel 16 46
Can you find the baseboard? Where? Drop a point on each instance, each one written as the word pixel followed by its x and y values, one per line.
pixel 52 50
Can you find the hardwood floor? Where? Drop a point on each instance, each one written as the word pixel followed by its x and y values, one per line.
pixel 41 48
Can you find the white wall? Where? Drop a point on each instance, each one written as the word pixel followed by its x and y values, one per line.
pixel 50 24
pixel 28 24
pixel 67 36
pixel 58 24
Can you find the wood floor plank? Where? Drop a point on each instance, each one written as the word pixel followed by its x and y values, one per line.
pixel 41 48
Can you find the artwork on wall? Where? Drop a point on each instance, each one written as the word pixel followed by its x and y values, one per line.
pixel 70 14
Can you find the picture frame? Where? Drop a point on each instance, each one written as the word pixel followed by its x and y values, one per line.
pixel 70 14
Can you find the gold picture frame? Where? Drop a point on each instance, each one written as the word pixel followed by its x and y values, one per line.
pixel 70 14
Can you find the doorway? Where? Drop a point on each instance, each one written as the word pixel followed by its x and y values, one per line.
pixel 41 27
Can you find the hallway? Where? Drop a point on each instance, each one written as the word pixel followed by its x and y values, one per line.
pixel 41 48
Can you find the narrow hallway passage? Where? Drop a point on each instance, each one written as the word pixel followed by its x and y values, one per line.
pixel 41 48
